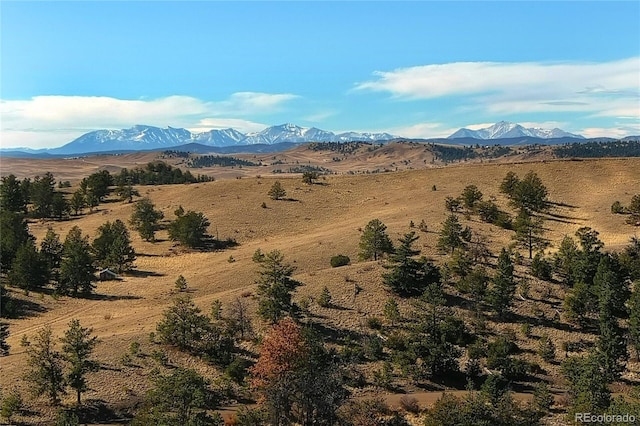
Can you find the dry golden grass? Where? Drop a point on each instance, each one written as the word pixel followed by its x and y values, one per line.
pixel 324 220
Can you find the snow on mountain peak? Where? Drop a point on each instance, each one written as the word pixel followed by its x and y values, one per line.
pixel 505 129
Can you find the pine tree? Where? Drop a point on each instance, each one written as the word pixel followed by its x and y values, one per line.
pixel 51 249
pixel 611 347
pixel 45 366
pixel 277 191
pixel 181 283
pixel 189 228
pixel 29 270
pixel 78 345
pixel 4 333
pixel 391 311
pixel 15 233
pixel 112 247
pixel 374 241
pixel 470 196
pixel 451 234
pixel 275 286
pixel 529 232
pixel 408 276
pixel 126 192
pixel 634 319
pixel 145 218
pixel 76 268
pixel 504 286
pixel 42 192
pixel 78 202
pixel 11 195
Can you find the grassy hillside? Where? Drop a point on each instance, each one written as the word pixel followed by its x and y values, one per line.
pixel 317 222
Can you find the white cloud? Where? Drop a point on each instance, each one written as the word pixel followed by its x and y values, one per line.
pixel 609 89
pixel 45 121
pixel 610 132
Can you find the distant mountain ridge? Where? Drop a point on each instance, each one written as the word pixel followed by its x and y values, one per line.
pixel 507 130
pixel 142 137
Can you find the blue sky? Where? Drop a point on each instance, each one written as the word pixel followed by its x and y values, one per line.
pixel 415 69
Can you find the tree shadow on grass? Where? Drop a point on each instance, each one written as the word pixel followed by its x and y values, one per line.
pixel 21 309
pixel 109 297
pixel 143 274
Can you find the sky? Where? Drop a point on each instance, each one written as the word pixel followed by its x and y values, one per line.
pixel 418 69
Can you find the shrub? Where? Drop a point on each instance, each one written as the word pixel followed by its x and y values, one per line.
pixel 374 323
pixel 410 404
pixel 237 369
pixel 546 349
pixel 340 260
pixel 161 357
pixel 617 208
pixel 526 329
pixel 134 348
pixel 373 348
pixel 541 267
pixel 324 299
pixel 181 283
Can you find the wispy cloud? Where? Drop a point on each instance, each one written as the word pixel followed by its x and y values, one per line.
pixel 47 120
pixel 604 89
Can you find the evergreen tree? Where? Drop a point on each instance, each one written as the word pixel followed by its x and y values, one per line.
pixel 4 334
pixel 509 184
pixel 588 384
pixel 29 270
pixel 51 250
pixel 183 324
pixel 145 218
pixel 374 241
pixel 15 233
pixel 391 311
pixel 611 345
pixel 527 195
pixel 189 228
pixel 408 276
pixel 589 255
pixel 112 247
pixel 277 191
pixel 78 345
pixel 76 268
pixel 275 286
pixel 565 260
pixel 470 196
pixel 45 366
pixel 59 206
pixel 11 195
pixel 78 202
pixel 97 185
pixel 451 234
pixel 630 258
pixel 180 398
pixel 529 232
pixel 42 195
pixel 634 319
pixel 504 286
pixel 126 192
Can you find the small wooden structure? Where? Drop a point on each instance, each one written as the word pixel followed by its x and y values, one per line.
pixel 107 275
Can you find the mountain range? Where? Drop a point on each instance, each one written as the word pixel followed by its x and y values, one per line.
pixel 143 137
pixel 506 130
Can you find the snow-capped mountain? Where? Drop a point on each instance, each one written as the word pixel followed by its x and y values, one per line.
pixel 504 130
pixel 141 137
